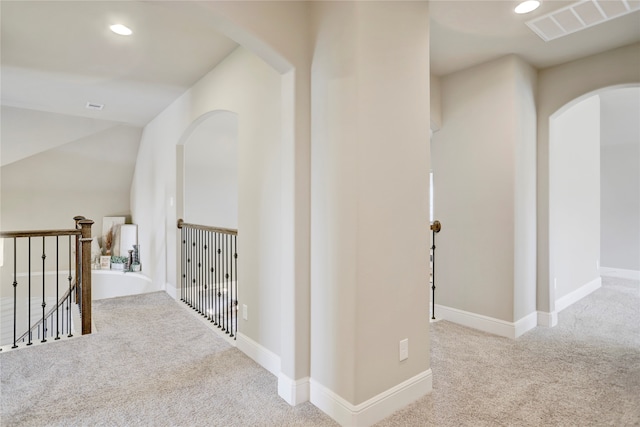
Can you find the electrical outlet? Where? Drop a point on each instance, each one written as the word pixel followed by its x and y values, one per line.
pixel 404 349
pixel 244 311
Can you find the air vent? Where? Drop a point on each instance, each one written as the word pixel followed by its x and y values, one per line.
pixel 580 15
pixel 94 106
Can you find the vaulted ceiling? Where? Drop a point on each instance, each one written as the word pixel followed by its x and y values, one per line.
pixel 57 56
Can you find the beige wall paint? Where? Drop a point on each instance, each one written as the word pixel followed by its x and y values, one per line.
pixel 370 163
pixel 620 178
pixel 245 85
pixel 211 171
pixel 574 196
pixel 90 177
pixel 558 86
pixel 484 178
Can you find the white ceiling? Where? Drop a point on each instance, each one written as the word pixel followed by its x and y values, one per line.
pixel 465 33
pixel 58 55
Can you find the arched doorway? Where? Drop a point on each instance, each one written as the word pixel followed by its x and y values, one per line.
pixel 210 170
pixel 586 141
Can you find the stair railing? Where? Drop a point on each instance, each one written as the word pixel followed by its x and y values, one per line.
pixel 209 273
pixel 80 238
pixel 435 228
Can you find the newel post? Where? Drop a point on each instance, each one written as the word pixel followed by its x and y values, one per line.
pixel 77 219
pixel 85 307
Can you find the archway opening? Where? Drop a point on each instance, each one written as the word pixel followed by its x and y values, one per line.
pixel 594 191
pixel 210 170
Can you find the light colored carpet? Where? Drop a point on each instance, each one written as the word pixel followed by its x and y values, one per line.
pixel 583 372
pixel 153 364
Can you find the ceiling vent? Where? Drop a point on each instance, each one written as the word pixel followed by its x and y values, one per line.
pixel 94 106
pixel 580 15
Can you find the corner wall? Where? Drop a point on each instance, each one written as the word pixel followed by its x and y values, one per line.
pixel 370 217
pixel 620 179
pixel 558 86
pixel 243 84
pixel 484 179
pixel 574 197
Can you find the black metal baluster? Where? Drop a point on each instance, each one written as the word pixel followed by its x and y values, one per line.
pixel 196 293
pixel 44 303
pixel 187 251
pixel 226 278
pixel 189 266
pixel 183 256
pixel 435 228
pixel 212 286
pixel 201 309
pixel 194 289
pixel 57 287
pixel 218 268
pixel 69 298
pixel 234 314
pixel 223 268
pixel 193 269
pixel 205 275
pixel 215 278
pixel 29 285
pixel 15 291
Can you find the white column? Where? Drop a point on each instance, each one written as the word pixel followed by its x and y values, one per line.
pixel 369 208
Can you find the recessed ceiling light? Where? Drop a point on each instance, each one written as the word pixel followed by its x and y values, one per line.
pixel 121 29
pixel 527 6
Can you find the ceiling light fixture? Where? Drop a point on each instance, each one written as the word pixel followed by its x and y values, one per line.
pixel 527 6
pixel 121 29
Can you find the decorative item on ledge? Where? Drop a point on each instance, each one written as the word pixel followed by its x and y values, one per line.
pixel 105 262
pixel 118 262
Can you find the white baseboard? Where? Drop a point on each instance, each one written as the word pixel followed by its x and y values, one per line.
pixel 265 358
pixel 375 409
pixel 171 290
pixel 547 319
pixel 620 272
pixel 578 294
pixel 293 392
pixel 488 324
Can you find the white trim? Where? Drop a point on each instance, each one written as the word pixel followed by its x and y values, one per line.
pixel 525 324
pixel 547 319
pixel 375 409
pixel 171 290
pixel 64 273
pixel 620 272
pixel 488 324
pixel 264 357
pixel 293 392
pixel 578 294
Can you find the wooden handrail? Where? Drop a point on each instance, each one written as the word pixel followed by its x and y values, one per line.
pixel 83 238
pixel 231 231
pixel 39 233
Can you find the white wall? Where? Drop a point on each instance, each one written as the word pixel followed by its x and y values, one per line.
pixel 90 177
pixel 436 103
pixel 574 196
pixel 211 172
pixel 620 179
pixel 484 176
pixel 370 164
pixel 245 85
pixel 558 86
